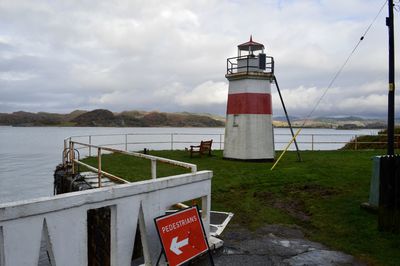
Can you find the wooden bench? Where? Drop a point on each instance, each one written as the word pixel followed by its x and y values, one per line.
pixel 203 148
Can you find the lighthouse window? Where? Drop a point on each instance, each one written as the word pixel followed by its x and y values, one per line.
pixel 235 124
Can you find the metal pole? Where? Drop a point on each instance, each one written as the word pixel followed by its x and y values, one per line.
pixel 355 142
pixel 126 142
pixel 247 67
pixel 99 166
pixel 90 147
pixel 389 209
pixel 390 126
pixel 72 157
pixel 312 142
pixel 172 141
pixel 287 118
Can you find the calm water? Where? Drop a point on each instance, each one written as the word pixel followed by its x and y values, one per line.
pixel 28 155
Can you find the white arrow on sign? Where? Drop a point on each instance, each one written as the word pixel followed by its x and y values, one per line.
pixel 175 245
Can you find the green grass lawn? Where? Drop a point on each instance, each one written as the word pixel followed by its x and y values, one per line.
pixel 322 194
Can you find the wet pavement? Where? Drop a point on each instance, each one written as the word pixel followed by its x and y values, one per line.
pixel 269 245
pixel 273 245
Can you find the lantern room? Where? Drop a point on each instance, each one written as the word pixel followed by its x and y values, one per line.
pixel 251 58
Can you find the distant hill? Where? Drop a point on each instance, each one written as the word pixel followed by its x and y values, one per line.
pixel 348 122
pixel 134 118
pixel 30 119
pixel 283 118
pixel 105 118
pixel 99 117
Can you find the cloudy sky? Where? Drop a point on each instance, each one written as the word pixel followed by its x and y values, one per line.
pixel 58 56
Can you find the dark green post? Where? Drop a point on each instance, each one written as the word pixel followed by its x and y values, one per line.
pixel 389 178
pixel 390 126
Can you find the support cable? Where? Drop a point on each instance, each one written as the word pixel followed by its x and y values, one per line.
pixel 333 80
pixel 288 119
pixel 344 64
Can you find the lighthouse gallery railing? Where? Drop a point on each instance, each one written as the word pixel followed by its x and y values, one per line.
pixel 232 66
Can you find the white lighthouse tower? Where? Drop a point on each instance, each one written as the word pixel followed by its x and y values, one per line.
pixel 249 132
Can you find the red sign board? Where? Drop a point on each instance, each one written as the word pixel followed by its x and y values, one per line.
pixel 182 235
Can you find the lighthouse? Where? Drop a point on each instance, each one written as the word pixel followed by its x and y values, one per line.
pixel 249 132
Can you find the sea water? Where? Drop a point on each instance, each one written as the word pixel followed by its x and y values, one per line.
pixel 29 155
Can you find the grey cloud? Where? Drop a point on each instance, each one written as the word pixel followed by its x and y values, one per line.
pixel 64 55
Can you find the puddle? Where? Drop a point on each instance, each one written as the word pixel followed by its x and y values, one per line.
pixel 229 251
pixel 285 243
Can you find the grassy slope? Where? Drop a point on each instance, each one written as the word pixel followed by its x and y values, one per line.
pixel 373 142
pixel 321 194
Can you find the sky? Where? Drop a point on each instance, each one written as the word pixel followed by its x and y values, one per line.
pixel 170 56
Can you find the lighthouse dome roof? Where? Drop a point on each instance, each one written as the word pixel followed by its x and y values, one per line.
pixel 251 45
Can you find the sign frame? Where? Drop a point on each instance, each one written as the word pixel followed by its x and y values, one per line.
pixel 172 248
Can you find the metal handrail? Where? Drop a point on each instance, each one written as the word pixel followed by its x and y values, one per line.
pixel 153 159
pixel 190 166
pixel 111 176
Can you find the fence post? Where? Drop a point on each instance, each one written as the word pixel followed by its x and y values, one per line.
pixel 312 142
pixel 172 141
pixel 220 141
pixel 193 169
pixel 153 169
pixel 90 147
pixel 99 166
pixel 355 142
pixel 126 142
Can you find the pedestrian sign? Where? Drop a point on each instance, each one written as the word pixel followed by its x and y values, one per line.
pixel 182 235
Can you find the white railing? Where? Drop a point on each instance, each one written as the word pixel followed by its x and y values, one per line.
pixel 61 221
pixel 139 141
pixel 174 141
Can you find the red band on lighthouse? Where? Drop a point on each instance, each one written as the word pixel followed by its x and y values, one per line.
pixel 249 103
